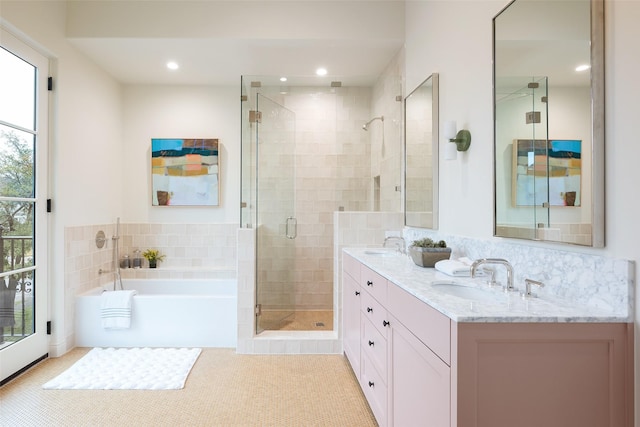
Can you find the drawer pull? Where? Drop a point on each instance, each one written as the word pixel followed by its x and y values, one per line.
pixel 357 293
pixel 385 323
pixel 370 343
pixel 369 283
pixel 371 384
pixel 369 309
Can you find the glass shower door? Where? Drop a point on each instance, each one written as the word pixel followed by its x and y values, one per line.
pixel 275 212
pixel 522 181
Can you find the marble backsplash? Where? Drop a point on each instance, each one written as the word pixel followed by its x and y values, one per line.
pixel 582 279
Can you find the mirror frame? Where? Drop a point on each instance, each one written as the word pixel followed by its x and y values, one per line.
pixel 435 102
pixel 597 126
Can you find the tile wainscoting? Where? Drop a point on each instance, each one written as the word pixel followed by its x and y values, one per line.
pixel 193 251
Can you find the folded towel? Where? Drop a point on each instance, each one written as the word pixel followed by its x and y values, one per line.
pixel 455 267
pixel 115 309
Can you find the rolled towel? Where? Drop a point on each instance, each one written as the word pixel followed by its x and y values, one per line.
pixel 455 267
pixel 115 309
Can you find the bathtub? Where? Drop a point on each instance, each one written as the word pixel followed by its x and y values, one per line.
pixel 165 313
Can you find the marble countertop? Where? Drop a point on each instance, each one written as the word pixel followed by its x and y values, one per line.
pixel 495 304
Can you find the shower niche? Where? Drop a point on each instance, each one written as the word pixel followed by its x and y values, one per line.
pixel 305 155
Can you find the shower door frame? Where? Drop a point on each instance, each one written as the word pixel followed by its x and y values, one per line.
pixel 269 164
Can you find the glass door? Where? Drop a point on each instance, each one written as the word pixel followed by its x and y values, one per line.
pixel 522 180
pixel 23 172
pixel 276 226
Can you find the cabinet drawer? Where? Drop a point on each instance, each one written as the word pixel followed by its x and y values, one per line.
pixel 351 266
pixel 428 324
pixel 375 346
pixel 374 312
pixel 374 390
pixel 373 283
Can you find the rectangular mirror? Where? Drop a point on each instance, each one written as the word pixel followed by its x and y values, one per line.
pixel 421 155
pixel 549 121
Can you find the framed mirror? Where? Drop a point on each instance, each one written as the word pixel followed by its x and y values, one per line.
pixel 421 155
pixel 548 73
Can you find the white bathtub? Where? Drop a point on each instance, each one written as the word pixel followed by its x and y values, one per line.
pixel 165 313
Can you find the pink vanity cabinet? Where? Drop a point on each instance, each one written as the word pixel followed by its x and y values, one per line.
pixel 420 363
pixel 351 296
pixel 417 367
pixel 404 381
pixel 542 374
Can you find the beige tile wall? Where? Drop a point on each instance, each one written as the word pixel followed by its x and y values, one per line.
pixel 350 229
pixel 567 233
pixel 386 149
pixel 332 170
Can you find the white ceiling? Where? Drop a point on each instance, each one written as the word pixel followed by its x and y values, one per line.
pixel 222 62
pixel 216 42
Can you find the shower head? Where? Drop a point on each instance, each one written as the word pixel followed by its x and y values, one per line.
pixel 366 125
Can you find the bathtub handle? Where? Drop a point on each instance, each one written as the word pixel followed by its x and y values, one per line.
pixel 292 228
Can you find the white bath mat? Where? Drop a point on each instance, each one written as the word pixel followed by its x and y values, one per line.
pixel 128 369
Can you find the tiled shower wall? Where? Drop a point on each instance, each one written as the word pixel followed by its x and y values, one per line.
pixel 386 137
pixel 336 165
pixel 332 173
pixel 567 233
pixel 192 251
pixel 352 229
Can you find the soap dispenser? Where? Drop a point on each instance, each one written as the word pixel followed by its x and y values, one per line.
pixel 137 259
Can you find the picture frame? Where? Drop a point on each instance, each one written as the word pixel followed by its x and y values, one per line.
pixel 185 172
pixel 546 171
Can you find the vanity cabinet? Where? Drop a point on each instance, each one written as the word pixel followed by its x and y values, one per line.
pixel 543 374
pixel 417 367
pixel 365 332
pixel 420 372
pixel 374 349
pixel 351 295
pixel 404 380
pixel 421 382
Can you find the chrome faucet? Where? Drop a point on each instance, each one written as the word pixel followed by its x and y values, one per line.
pixel 400 244
pixel 509 286
pixel 527 288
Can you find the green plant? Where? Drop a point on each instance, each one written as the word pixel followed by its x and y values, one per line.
pixel 429 243
pixel 153 255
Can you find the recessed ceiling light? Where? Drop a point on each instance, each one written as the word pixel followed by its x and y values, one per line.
pixel 172 65
pixel 283 79
pixel 321 71
pixel 584 67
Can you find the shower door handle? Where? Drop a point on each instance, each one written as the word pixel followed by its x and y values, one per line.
pixel 292 228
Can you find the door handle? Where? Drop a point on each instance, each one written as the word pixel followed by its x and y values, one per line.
pixel 292 228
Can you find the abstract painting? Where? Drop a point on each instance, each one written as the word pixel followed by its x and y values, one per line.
pixel 547 171
pixel 185 172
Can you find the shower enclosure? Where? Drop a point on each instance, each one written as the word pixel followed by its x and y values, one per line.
pixel 268 173
pixel 304 156
pixel 522 179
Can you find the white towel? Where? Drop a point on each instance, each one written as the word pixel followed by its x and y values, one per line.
pixel 455 267
pixel 115 309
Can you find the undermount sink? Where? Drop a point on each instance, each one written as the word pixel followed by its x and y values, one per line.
pixel 381 252
pixel 465 291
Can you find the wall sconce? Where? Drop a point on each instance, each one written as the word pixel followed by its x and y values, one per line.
pixel 456 140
